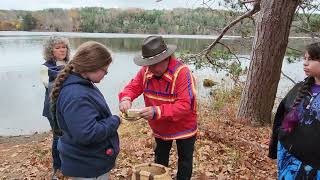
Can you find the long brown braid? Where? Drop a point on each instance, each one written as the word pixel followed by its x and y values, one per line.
pixel 89 57
pixel 59 81
pixel 63 75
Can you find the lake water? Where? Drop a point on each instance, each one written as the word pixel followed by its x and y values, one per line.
pixel 22 94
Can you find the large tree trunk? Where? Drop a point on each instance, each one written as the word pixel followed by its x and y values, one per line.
pixel 268 50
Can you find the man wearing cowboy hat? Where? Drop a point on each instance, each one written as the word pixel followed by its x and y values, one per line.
pixel 169 93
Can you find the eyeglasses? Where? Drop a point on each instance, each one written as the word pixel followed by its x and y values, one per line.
pixel 105 71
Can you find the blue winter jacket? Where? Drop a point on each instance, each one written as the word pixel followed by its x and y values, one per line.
pixel 90 143
pixel 53 71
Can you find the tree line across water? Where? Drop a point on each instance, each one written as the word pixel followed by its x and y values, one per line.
pixel 198 21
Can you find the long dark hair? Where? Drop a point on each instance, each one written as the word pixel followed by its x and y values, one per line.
pixel 291 119
pixel 314 51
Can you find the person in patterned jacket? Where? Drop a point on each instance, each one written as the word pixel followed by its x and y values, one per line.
pixel 168 88
pixel 296 129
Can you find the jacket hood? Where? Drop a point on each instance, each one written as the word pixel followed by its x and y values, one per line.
pixel 75 78
pixel 53 70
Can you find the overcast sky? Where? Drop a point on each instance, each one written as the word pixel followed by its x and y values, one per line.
pixel 67 4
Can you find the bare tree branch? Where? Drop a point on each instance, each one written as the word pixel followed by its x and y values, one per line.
pixel 231 52
pixel 209 6
pixel 248 1
pixel 244 57
pixel 213 63
pixel 308 9
pixel 205 3
pixel 253 20
pixel 295 49
pixel 297 13
pixel 288 77
pixel 255 9
pixel 313 34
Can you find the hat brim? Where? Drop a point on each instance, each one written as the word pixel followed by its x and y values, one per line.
pixel 140 61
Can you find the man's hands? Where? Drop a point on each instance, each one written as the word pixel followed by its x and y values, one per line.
pixel 125 105
pixel 147 113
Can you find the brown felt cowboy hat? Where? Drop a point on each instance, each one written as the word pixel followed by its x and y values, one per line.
pixel 154 50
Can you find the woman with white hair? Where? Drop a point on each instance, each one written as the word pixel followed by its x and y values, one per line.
pixel 56 53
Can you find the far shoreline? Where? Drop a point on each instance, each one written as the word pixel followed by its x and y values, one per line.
pixel 127 35
pixel 18 139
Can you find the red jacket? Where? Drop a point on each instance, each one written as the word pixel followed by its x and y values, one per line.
pixel 173 98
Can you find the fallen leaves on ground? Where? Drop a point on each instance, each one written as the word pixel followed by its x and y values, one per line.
pixel 225 149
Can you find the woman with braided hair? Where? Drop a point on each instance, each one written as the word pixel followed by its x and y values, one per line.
pixel 296 128
pixel 89 142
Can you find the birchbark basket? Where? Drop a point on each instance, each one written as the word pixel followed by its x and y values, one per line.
pixel 150 171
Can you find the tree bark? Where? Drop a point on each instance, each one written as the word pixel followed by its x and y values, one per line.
pixel 268 50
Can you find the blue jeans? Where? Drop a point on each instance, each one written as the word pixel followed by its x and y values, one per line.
pixel 54 148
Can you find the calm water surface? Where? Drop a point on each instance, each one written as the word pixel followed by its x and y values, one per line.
pixel 22 94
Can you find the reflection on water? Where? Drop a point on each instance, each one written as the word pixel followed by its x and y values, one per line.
pixel 22 93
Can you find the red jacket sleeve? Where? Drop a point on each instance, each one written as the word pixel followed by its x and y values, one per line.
pixel 135 87
pixel 186 97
